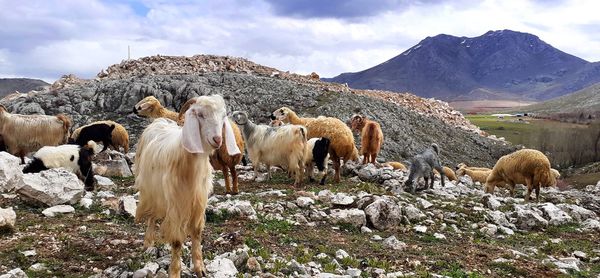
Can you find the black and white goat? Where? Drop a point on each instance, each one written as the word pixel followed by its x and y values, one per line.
pixel 317 153
pixel 77 159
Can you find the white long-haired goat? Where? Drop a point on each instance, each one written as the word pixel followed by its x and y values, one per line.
pixel 274 146
pixel 174 176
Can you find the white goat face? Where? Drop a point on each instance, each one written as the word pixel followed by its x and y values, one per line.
pixel 204 124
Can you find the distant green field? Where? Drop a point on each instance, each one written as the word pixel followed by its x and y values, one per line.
pixel 527 131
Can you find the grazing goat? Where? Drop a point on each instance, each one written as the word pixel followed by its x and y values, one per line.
pixel 108 132
pixel 342 142
pixel 430 157
pixel 279 146
pixel 221 159
pixel 174 176
pixel 77 159
pixel 476 175
pixel 525 166
pixel 371 137
pixel 317 154
pixel 23 134
pixel 419 168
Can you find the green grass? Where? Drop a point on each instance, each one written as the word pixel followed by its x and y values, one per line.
pixel 507 269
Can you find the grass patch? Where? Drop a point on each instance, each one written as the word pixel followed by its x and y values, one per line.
pixel 220 217
pixel 273 226
pixel 507 269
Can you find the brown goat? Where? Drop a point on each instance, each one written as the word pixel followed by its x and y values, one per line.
pixel 371 137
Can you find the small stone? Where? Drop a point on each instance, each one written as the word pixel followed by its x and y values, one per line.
pixel 506 231
pixel 128 205
pixel 489 229
pixel 15 273
pixel 355 217
pixel 353 272
pixel 37 267
pixel 55 210
pixel 580 255
pixel 29 253
pixel 340 254
pixel 420 229
pixel 8 218
pixel 393 243
pixel 376 238
pixel 424 204
pixel 341 199
pixel 142 273
pixel 103 182
pixel 365 230
pixel 253 265
pixel 490 202
pixel 304 202
pixel 86 202
pixel 439 236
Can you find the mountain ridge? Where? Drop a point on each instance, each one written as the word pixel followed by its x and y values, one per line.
pixel 508 64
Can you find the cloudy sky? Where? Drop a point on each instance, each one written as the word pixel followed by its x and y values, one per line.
pixel 48 38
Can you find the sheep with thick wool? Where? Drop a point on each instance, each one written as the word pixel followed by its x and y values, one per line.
pixel 174 177
pixel 476 175
pixel 371 137
pixel 221 159
pixel 396 165
pixel 526 166
pixel 115 137
pixel 278 146
pixel 342 142
pixel 23 134
pixel 150 107
pixel 462 164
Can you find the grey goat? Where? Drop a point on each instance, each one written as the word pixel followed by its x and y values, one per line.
pixel 422 167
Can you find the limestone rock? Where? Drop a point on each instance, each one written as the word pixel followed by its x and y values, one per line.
pixel 51 187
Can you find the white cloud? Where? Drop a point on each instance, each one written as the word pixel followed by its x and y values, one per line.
pixel 46 39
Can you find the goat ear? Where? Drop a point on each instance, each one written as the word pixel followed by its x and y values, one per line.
pixel 191 139
pixel 184 108
pixel 230 142
pixel 145 106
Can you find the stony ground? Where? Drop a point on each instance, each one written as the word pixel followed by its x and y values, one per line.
pixel 363 227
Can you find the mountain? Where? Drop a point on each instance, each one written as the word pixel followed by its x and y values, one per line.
pixel 586 100
pixel 496 65
pixel 410 123
pixel 10 85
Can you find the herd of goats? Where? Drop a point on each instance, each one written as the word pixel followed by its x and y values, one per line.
pixel 177 152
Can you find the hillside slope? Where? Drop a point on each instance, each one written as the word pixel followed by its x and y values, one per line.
pixel 10 85
pixel 496 65
pixel 584 100
pixel 410 123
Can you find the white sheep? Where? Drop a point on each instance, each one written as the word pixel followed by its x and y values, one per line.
pixel 174 176
pixel 23 134
pixel 278 146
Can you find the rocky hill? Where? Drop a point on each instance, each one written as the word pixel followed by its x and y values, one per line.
pixel 497 65
pixel 410 123
pixel 11 85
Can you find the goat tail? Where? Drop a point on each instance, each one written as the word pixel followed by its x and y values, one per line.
pixel 66 122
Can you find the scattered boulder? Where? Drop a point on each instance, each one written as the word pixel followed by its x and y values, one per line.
pixel 221 267
pixel 591 225
pixel 10 172
pixel 112 167
pixel 383 214
pixel 342 199
pixel 528 219
pixel 128 205
pixel 423 204
pixel 103 182
pixel 576 212
pixel 8 218
pixel 355 217
pixel 304 202
pixel 555 215
pixel 490 202
pixel 51 187
pixel 56 210
pixel 235 207
pixel 15 273
pixel 393 243
pixel 412 213
pixel 369 173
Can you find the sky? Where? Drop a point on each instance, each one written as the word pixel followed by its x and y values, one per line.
pixel 49 38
